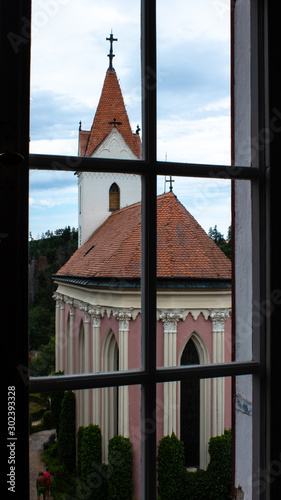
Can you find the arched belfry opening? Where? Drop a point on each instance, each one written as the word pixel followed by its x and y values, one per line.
pixel 190 408
pixel 114 197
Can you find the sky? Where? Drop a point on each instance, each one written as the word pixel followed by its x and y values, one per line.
pixel 68 65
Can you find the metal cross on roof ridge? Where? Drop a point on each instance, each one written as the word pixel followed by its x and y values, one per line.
pixel 115 122
pixel 111 39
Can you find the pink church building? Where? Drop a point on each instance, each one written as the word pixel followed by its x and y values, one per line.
pixel 98 299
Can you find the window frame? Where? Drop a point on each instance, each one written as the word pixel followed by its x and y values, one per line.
pixel 15 176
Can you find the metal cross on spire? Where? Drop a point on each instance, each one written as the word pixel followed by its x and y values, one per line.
pixel 111 55
pixel 171 180
pixel 114 123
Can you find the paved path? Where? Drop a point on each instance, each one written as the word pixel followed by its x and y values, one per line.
pixel 36 464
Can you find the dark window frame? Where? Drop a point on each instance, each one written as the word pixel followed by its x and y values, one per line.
pixel 15 45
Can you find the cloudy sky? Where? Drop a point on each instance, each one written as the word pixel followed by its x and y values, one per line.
pixel 69 62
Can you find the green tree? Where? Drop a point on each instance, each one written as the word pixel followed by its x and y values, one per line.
pixel 44 363
pixel 120 468
pixel 216 236
pixel 221 242
pixel 41 327
pixel 170 468
pixel 47 255
pixel 90 470
pixel 67 433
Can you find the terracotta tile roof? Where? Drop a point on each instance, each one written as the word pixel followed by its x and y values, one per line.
pixel 184 250
pixel 83 141
pixel 111 105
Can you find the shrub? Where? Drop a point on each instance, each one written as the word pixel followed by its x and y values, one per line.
pixel 91 474
pixel 170 468
pixel 47 420
pixel 215 482
pixel 63 487
pixel 56 401
pixel 90 450
pixel 67 432
pixel 120 466
pixel 36 405
pixel 79 449
pixel 219 468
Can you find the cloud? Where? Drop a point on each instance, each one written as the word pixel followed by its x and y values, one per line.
pixel 69 62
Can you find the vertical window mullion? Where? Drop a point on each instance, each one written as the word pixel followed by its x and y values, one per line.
pixel 14 148
pixel 148 401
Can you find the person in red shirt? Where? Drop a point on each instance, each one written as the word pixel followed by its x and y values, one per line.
pixel 47 476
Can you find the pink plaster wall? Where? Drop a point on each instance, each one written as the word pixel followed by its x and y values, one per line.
pixel 184 330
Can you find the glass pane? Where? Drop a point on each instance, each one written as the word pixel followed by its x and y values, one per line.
pixel 70 69
pixel 85 295
pixel 193 434
pixel 88 438
pixel 193 72
pixel 193 271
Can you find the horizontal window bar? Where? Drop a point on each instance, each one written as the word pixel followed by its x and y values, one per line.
pixel 111 379
pixel 215 370
pixel 87 164
pixel 206 170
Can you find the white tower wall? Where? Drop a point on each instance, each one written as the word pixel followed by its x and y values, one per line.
pixel 93 188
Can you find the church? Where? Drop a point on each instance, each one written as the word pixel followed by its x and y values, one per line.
pixel 98 298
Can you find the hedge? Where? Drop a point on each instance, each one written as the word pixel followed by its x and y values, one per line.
pixel 56 401
pixel 175 483
pixel 37 413
pixel 219 468
pixel 215 482
pixel 170 468
pixel 79 449
pixel 90 471
pixel 67 432
pixel 120 469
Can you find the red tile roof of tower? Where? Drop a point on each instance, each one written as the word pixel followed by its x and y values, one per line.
pixel 111 110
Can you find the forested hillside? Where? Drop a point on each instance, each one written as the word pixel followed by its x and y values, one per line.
pixel 46 256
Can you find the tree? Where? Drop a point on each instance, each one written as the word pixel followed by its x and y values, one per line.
pixel 47 255
pixel 120 468
pixel 44 363
pixel 67 434
pixel 221 242
pixel 216 236
pixel 170 468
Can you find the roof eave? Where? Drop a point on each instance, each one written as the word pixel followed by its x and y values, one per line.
pixel 162 282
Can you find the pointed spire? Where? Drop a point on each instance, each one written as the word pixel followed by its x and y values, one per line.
pixel 111 39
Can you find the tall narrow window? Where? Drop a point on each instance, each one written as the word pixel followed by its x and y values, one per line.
pixel 190 408
pixel 114 197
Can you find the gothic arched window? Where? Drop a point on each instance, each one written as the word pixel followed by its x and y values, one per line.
pixel 114 197
pixel 190 408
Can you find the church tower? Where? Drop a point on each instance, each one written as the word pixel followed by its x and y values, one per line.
pixel 111 136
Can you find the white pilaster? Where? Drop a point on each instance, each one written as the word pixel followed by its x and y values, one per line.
pixel 170 319
pixel 71 335
pixel 96 318
pixel 57 298
pixel 218 317
pixel 123 316
pixel 61 339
